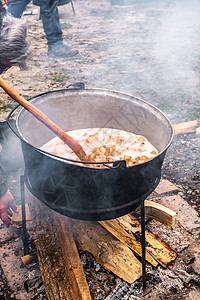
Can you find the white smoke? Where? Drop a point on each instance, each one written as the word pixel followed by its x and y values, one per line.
pixel 177 41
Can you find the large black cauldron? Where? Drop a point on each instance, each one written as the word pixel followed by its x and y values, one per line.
pixel 83 192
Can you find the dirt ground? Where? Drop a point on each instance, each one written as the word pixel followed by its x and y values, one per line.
pixel 149 49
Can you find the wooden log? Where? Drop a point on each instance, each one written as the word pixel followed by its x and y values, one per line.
pixel 154 246
pixel 59 261
pixel 27 259
pixel 127 228
pixel 70 253
pixel 186 127
pixel 159 212
pixel 108 251
pixel 120 232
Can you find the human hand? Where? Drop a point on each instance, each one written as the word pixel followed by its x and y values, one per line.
pixel 7 206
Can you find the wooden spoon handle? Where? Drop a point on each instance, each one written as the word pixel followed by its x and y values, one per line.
pixel 76 147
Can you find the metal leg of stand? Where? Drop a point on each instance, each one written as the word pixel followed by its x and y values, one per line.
pixel 72 5
pixel 25 235
pixel 143 246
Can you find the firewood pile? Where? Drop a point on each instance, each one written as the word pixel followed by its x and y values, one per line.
pixel 114 244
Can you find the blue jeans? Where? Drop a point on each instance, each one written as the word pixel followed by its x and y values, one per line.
pixel 49 15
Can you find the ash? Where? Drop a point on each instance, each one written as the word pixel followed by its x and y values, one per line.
pixel 182 167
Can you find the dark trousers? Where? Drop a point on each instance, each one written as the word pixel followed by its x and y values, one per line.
pixel 49 15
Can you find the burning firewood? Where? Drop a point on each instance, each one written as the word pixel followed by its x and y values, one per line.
pixel 108 251
pixel 114 227
pixel 111 247
pixel 27 259
pixel 155 246
pixel 127 228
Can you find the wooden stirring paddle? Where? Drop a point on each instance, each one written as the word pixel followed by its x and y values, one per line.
pixel 76 147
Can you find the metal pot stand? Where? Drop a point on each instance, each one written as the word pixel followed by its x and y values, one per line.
pixel 26 237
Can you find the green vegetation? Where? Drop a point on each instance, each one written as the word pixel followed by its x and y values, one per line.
pixel 6 106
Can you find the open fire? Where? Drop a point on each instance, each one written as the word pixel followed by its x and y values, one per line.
pixel 157 53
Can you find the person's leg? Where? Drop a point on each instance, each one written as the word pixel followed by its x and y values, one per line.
pixel 17 7
pixel 53 31
pixel 51 23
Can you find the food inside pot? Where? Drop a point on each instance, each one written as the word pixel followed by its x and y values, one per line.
pixel 105 145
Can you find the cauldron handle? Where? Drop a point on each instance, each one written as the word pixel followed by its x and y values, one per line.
pixel 76 86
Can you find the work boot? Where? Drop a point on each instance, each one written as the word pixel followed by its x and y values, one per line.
pixel 62 51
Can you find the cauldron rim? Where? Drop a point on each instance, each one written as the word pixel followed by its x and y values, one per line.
pixel 78 163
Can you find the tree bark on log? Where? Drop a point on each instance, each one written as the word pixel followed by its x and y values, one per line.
pixel 59 261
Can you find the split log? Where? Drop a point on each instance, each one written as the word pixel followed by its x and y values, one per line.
pixel 27 259
pixel 108 251
pixel 122 233
pixel 59 261
pixel 159 212
pixel 186 127
pixel 161 252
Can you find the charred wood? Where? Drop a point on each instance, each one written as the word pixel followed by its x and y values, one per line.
pixel 122 291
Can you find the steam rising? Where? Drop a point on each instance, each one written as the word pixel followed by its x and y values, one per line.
pixel 153 53
pixel 177 39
